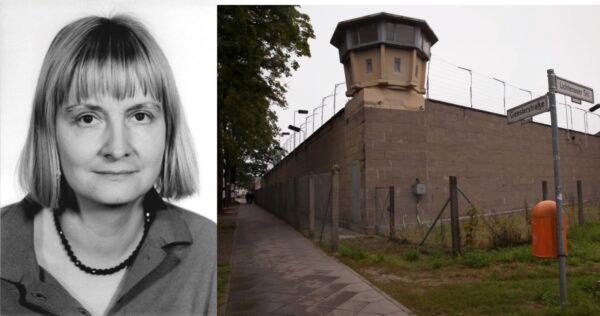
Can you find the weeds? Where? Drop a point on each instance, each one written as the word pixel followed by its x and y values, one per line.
pixel 471 227
pixel 411 255
pixel 508 280
pixel 476 259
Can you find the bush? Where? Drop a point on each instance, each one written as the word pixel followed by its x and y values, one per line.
pixel 437 262
pixel 411 255
pixel 507 233
pixel 355 254
pixel 476 259
pixel 378 258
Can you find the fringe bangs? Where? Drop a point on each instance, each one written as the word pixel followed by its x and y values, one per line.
pixel 112 62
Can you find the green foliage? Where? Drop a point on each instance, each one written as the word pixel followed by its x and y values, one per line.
pixel 223 272
pixel 411 255
pixel 476 259
pixel 257 46
pixel 437 262
pixel 471 226
pixel 507 232
pixel 355 254
pixel 503 281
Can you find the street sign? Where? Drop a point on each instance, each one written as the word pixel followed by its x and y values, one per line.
pixel 575 100
pixel 528 109
pixel 575 90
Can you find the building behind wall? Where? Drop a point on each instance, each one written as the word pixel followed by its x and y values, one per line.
pixel 388 134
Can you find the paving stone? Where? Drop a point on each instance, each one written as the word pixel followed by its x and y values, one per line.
pixel 337 299
pixel 368 296
pixel 340 312
pixel 252 307
pixel 352 305
pixel 358 287
pixel 380 307
pixel 277 271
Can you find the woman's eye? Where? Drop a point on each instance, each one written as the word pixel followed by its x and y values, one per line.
pixel 141 117
pixel 87 119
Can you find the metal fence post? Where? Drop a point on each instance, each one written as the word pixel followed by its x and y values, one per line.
pixel 454 222
pixel 580 202
pixel 311 206
pixel 392 214
pixel 562 260
pixel 335 206
pixel 544 190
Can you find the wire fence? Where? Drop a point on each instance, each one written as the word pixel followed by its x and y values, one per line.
pixel 458 85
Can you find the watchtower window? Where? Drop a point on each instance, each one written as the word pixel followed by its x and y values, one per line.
pixel 396 64
pixel 417 71
pixel 367 33
pixel 369 65
pixel 399 33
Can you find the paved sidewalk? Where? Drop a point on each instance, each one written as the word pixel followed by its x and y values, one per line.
pixel 276 271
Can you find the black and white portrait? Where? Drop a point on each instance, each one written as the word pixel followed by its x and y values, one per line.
pixel 107 157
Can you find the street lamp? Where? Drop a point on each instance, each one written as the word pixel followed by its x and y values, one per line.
pixel 504 98
pixel 283 134
pixel 595 107
pixel 471 85
pixel 335 93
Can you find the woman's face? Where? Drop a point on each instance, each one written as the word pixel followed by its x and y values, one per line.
pixel 111 151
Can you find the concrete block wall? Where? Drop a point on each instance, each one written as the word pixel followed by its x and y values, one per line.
pixel 499 166
pixel 339 141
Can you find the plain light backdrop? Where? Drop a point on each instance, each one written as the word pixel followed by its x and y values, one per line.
pixel 184 29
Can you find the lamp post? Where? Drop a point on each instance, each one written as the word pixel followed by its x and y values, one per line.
pixel 592 109
pixel 335 94
pixel 504 98
pixel 303 135
pixel 471 85
pixel 323 105
pixel 299 112
pixel 295 129
pixel 306 125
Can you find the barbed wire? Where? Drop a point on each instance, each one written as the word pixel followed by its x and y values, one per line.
pixel 449 82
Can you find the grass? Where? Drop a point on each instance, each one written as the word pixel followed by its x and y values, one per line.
pixel 223 272
pixel 226 225
pixel 500 280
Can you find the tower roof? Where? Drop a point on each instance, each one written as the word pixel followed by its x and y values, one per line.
pixel 341 26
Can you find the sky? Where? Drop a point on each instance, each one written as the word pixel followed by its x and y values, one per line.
pixel 186 32
pixel 515 44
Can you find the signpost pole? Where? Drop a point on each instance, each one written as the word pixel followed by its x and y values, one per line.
pixel 558 189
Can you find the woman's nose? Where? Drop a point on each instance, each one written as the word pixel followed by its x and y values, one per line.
pixel 117 143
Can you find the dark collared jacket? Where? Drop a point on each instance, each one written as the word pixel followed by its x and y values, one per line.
pixel 173 274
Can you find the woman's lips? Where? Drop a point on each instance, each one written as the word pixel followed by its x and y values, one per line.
pixel 115 175
pixel 110 172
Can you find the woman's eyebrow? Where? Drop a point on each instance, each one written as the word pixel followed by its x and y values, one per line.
pixel 93 107
pixel 146 104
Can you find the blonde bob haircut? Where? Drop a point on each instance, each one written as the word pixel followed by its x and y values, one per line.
pixel 96 56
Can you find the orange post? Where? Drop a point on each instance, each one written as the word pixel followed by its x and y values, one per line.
pixel 543 230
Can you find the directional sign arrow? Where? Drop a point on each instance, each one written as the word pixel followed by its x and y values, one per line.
pixel 528 109
pixel 575 90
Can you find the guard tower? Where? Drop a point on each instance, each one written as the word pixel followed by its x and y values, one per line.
pixel 385 58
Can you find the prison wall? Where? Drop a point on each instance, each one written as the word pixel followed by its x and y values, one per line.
pixel 500 167
pixel 339 141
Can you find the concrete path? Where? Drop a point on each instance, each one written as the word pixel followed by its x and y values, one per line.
pixel 276 271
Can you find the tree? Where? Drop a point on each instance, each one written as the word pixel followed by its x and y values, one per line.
pixel 257 47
